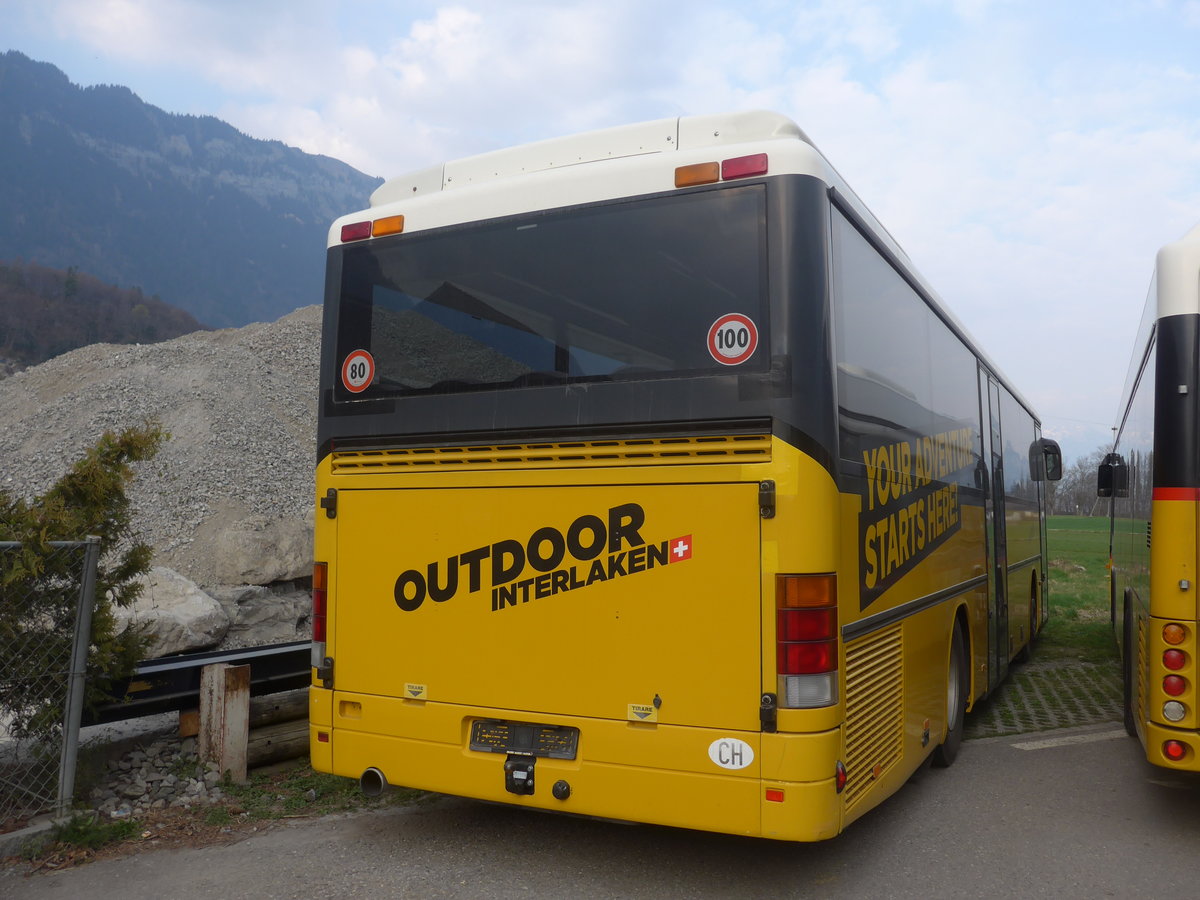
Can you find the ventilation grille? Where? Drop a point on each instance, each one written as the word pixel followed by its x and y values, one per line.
pixel 632 452
pixel 874 709
pixel 1140 713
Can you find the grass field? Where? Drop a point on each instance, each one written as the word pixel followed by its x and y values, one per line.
pixel 1079 605
pixel 1073 679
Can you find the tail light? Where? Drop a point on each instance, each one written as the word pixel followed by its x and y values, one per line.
pixel 320 601
pixel 1174 750
pixel 1174 686
pixel 806 640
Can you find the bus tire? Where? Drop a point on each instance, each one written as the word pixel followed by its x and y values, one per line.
pixel 1127 654
pixel 1026 651
pixel 957 686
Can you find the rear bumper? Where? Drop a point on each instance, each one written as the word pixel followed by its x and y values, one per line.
pixel 636 771
pixel 1157 735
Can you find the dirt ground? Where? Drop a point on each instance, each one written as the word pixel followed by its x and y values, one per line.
pixel 159 830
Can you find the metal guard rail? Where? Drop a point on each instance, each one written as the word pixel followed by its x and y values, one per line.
pixel 172 683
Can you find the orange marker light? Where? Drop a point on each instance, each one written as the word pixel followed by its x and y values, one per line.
pixel 700 173
pixel 1174 634
pixel 387 225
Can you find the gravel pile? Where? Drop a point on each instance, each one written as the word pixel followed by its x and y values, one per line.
pixel 240 405
pixel 166 773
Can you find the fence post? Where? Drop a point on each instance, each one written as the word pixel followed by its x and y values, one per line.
pixel 225 718
pixel 77 684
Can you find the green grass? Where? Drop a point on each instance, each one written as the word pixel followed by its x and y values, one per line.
pixel 1079 623
pixel 294 790
pixel 83 831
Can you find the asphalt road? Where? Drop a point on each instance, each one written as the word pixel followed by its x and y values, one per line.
pixel 1059 814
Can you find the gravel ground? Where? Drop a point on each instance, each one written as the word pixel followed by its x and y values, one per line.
pixel 240 405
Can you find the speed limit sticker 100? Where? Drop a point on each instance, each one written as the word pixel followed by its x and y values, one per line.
pixel 732 339
pixel 358 371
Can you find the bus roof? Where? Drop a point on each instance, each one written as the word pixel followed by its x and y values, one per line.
pixel 658 136
pixel 498 174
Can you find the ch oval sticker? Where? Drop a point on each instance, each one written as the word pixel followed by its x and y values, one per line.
pixel 731 753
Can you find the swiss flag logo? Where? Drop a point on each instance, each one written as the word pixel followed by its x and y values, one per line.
pixel 681 548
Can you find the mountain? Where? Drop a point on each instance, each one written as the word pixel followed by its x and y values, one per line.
pixel 227 227
pixel 45 312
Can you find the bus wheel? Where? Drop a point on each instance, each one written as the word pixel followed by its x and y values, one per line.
pixel 1024 654
pixel 1127 656
pixel 957 687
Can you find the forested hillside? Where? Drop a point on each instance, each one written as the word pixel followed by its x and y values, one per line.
pixel 230 228
pixel 45 312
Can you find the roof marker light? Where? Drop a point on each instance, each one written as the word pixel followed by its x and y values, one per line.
pixel 744 166
pixel 387 225
pixel 356 231
pixel 700 173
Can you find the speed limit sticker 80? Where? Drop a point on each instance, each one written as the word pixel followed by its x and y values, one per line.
pixel 732 339
pixel 358 371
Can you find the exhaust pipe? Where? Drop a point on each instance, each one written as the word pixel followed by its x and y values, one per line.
pixel 373 782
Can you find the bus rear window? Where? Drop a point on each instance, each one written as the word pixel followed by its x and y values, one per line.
pixel 627 290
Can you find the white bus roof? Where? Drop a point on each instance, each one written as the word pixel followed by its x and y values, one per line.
pixel 659 136
pixel 634 160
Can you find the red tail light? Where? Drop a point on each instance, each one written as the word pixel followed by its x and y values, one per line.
pixel 1174 659
pixel 806 640
pixel 1173 685
pixel 320 599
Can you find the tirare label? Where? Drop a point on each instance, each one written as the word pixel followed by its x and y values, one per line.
pixel 731 753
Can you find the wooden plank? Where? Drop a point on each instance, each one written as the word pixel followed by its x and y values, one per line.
pixel 276 743
pixel 286 706
pixel 189 723
pixel 225 718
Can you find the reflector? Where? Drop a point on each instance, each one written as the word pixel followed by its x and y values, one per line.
pixel 1174 750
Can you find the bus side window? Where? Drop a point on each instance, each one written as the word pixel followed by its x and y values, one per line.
pixel 1045 460
pixel 1112 478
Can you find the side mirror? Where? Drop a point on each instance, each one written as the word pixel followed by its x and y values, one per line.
pixel 1112 478
pixel 1045 460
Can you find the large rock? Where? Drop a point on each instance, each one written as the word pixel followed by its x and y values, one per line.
pixel 260 615
pixel 177 615
pixel 259 550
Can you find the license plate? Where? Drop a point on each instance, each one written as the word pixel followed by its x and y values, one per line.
pixel 496 736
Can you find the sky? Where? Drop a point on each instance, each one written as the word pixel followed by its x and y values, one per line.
pixel 1030 156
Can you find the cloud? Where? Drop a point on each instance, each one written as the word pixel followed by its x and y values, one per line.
pixel 1030 157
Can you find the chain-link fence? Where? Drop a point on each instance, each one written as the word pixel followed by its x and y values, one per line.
pixel 45 621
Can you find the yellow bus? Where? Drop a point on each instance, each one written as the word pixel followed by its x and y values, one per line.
pixel 655 484
pixel 1152 477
